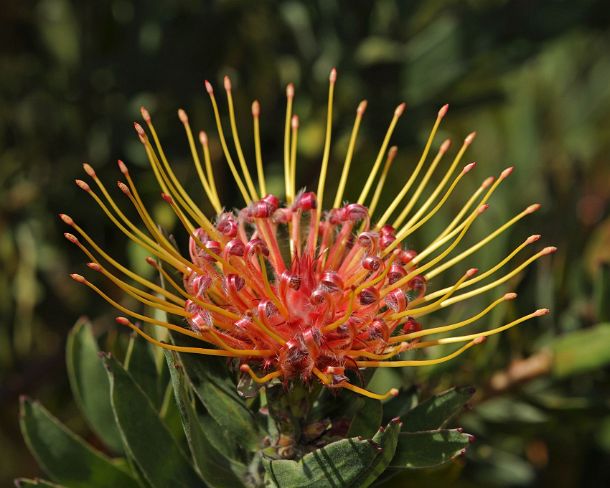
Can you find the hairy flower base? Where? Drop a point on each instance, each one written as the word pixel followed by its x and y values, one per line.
pixel 292 291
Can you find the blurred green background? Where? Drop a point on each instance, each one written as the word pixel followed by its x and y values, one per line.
pixel 532 78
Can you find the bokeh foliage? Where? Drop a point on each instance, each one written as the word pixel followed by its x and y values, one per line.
pixel 531 78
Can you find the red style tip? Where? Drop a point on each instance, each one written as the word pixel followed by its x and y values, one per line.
pixel 549 250
pixel 295 122
pixel 472 272
pixel 67 219
pixel 208 87
pixel 542 311
pixel 227 83
pixel 332 77
pixel 533 208
pixel 94 266
pixel 82 185
pixel 400 109
pixel 488 181
pixel 507 172
pixel 468 167
pixel 469 138
pixel 167 198
pixel 122 320
pixel 145 114
pixel 256 108
pixel 443 111
pixel 123 187
pixel 510 296
pixel 89 170
pixel 392 152
pixel 480 340
pixel 122 167
pixel 151 261
pixel 394 392
pixel 361 107
pixel 78 278
pixel 290 90
pixel 71 237
pixel 482 208
pixel 203 138
pixel 533 238
pixel 445 146
pixel 244 368
pixel 140 131
pixel 182 116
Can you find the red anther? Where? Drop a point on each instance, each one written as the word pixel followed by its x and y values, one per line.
pixel 372 263
pixel 227 83
pixel 83 185
pixel 410 326
pixel 182 116
pixel 396 272
pixel 167 198
pixel 260 210
pixel 257 246
pixel 122 167
pixel 145 114
pixel 396 300
pixel 320 295
pixel 67 219
pixel 405 256
pixel 89 170
pixel 417 286
pixel 266 309
pixel 331 281
pixel 235 247
pixel 235 282
pixel 293 281
pixel 71 237
pixel 78 278
pixel 272 200
pixel 256 108
pixel 368 296
pixel 226 225
pixel 306 201
pixel 356 212
pixel 123 187
pixel 386 240
pixel 387 230
pixel 368 240
pixel 214 247
pixel 122 320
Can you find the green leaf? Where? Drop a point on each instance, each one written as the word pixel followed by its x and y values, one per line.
pixel 89 383
pixel 582 351
pixel 64 456
pixel 437 410
pixel 27 482
pixel 214 468
pixel 141 365
pixel 147 439
pixel 429 449
pixel 217 391
pixel 367 418
pixel 352 462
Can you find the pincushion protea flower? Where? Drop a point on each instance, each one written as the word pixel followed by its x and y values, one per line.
pixel 291 290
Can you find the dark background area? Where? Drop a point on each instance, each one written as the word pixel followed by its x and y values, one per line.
pixel 532 78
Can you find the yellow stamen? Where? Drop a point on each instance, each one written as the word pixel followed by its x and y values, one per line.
pixel 260 379
pixel 444 146
pixel 392 392
pixel 369 182
pixel 240 153
pixel 452 340
pixel 203 140
pixel 289 99
pixel 350 153
pixel 382 178
pixel 293 153
pixel 256 110
pixel 419 362
pixel 225 149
